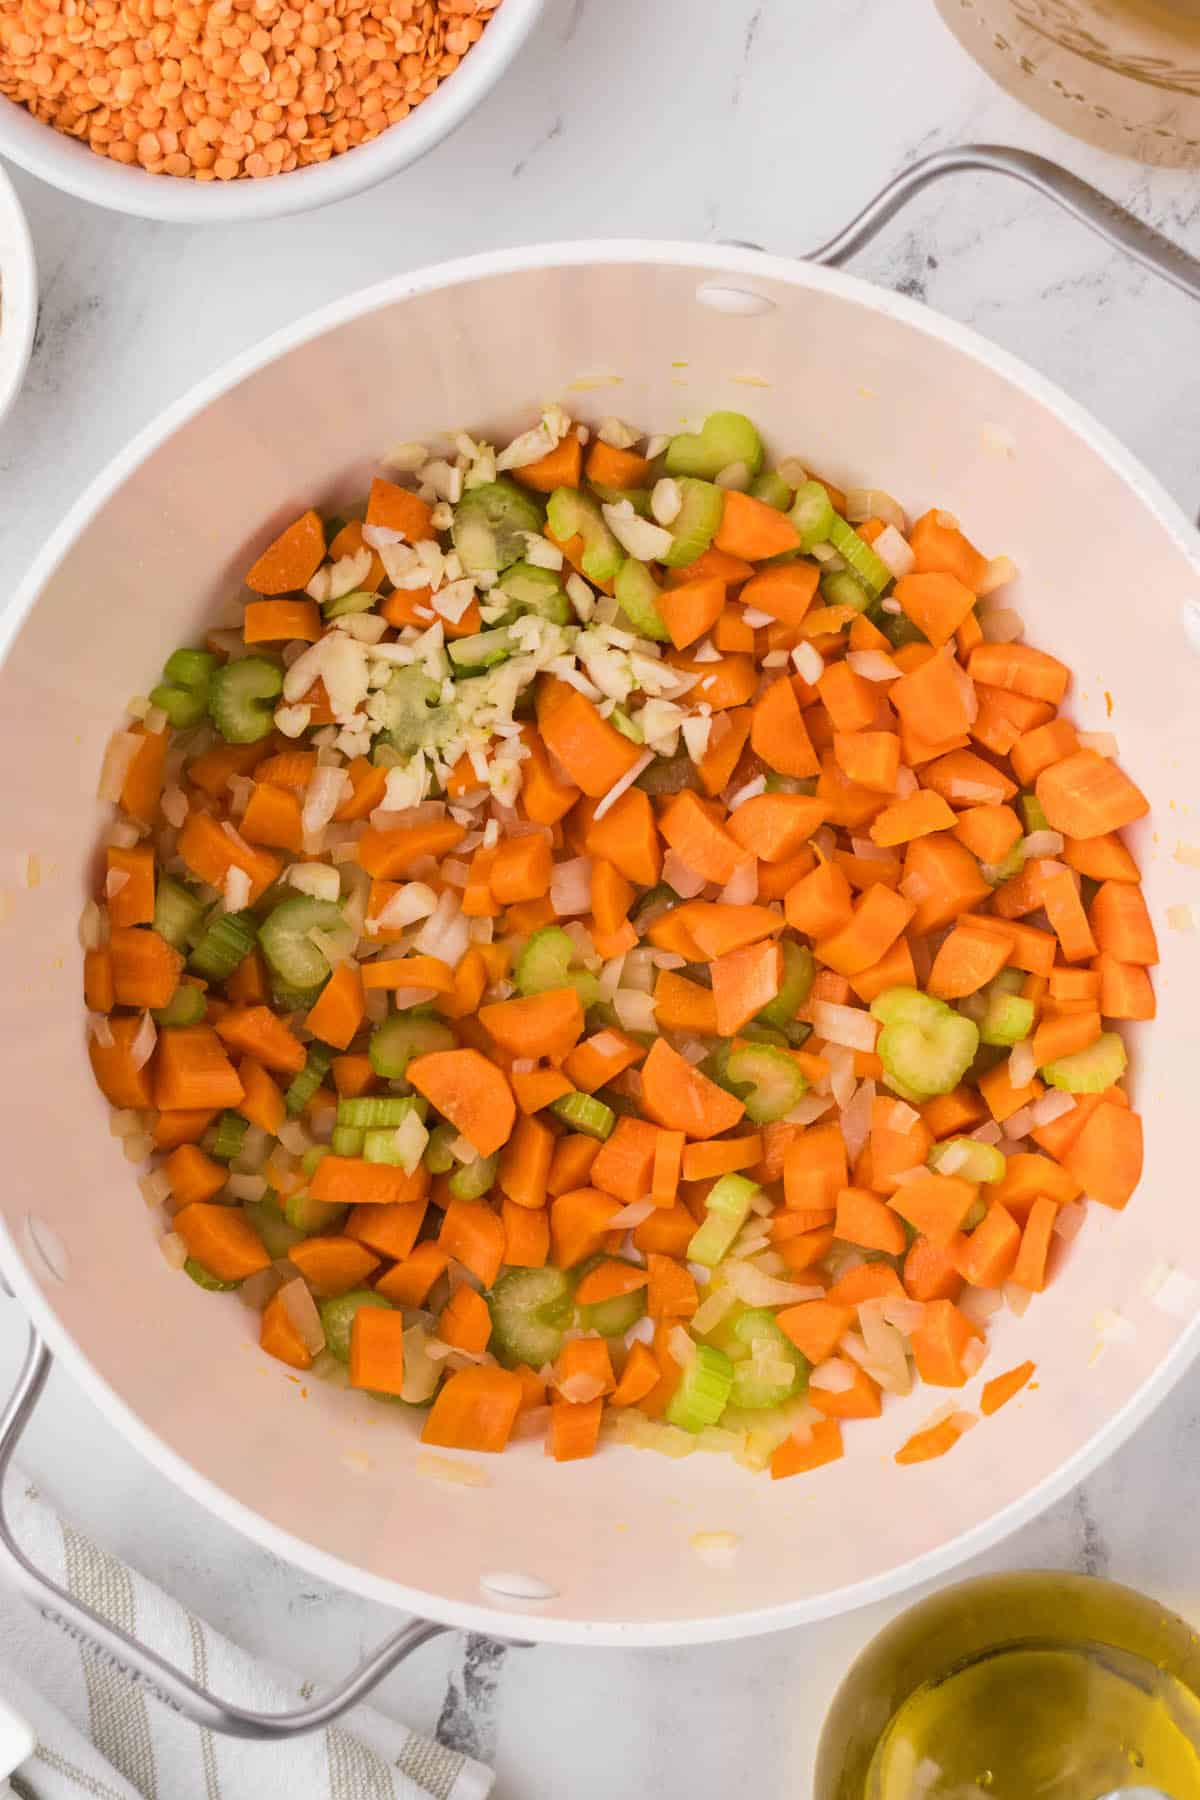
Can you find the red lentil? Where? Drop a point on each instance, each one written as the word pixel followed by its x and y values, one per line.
pixel 226 89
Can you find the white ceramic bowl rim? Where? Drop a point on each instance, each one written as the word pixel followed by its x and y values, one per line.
pixel 18 301
pixel 1122 1422
pixel 75 169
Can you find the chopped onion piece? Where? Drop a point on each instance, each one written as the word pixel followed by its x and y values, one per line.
pixel 874 503
pixel 906 1315
pixel 1001 625
pixel 1070 1221
pixel 119 757
pixel 571 887
pixel 851 1026
pixel 856 1119
pixel 809 1109
pixel 979 1304
pixel 1022 1066
pixel 742 888
pixel 1017 1299
pixel 634 1010
pixel 1053 1104
pixel 638 537
pixel 619 787
pixel 895 552
pixel 631 1216
pixel 141 1048
pixel 987 1134
pixel 873 665
pixel 301 1309
pixel 1102 742
pixel 974 1356
pixel 808 662
pixel 758 1289
pixel 842 1081
pixel 1043 843
pixel 685 881
pixel 836 1376
pixel 175 1251
pixel 681 1345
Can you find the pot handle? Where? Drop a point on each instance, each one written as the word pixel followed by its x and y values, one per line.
pixel 144 1666
pixel 1084 202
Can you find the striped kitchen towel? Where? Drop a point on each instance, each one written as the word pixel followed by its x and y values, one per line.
pixel 100 1735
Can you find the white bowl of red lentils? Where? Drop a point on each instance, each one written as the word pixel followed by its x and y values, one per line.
pixel 197 111
pixel 18 295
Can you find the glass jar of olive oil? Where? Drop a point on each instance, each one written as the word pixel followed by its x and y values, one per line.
pixel 1039 1686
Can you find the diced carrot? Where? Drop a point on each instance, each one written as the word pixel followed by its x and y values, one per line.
pixel 409 1282
pixel 574 1429
pixel 593 752
pixel 377 1347
pixel 333 1265
pixel 526 1235
pixel 353 1075
pixel 390 853
pixel 720 1156
pixel 397 509
pixel 778 734
pixel 626 1161
pixel 191 1069
pixel 948 879
pixel 938 1344
pixel 676 1095
pixel 473 1235
pixel 525 1162
pixel 671 1290
pixel 131 874
pixel 966 780
pixel 987 1257
pixel 874 926
pixel 545 1024
pixel 292 560
pixel 930 1270
pixel 640 1374
pixel 871 759
pixel 210 852
pixel 571 1163
pixel 814 1167
pixel 465 1321
pixel 275 621
pixel 535 1088
pixel 1104 858
pixel 936 601
pixel 273 817
pixel 98 992
pixel 352 1181
pixel 915 816
pixel 822 1445
pixel 470 1092
pixel 142 787
pixel 872 1281
pixel 959 1110
pixel 475 1409
pixel 726 741
pixel 864 1219
pixel 1020 670
pixel 1086 796
pixel 1002 1388
pixel 927 1445
pixel 193 1175
pixel 697 838
pixel 989 832
pixel 743 983
pixel 1121 923
pixel 935 1205
pixel 1039 749
pixel 145 968
pixel 785 591
pixel 967 961
pixel 561 467
pixel 222 1239
pixel 1064 1035
pixel 280 1337
pixel 820 904
pixel 940 548
pixel 338 1011
pixel 1106 1157
pixel 579 1224
pixel 1029 1270
pixel 256 1031
pixel 753 530
pixel 861 1400
pixel 1125 989
pixel 390 1230
pixel 181 1127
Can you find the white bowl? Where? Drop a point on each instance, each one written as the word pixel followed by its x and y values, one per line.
pixel 72 166
pixel 18 294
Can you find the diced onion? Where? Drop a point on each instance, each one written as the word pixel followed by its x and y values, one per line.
pixel 758 1289
pixel 808 1109
pixel 906 1315
pixel 874 503
pixel 1053 1104
pixel 619 787
pixel 903 1117
pixel 666 501
pixel 895 552
pixel 634 1010
pixel 119 757
pixel 322 798
pixel 446 933
pixel 1102 742
pixel 841 1073
pixel 1070 1221
pixel 1043 843
pixel 1018 1124
pixel 742 887
pixel 415 900
pixel 952 1159
pixel 836 1376
pixel 1022 1065
pixel 301 1309
pixel 681 1345
pixel 570 887
pixel 987 1134
pixel 1017 1299
pixel 141 1049
pixel 851 1026
pixel 809 663
pixel 638 537
pixel 581 1387
pixel 873 665
pixel 980 1303
pixel 631 1216
pixel 974 1356
pixel 1001 625
pixel 246 1187
pixel 856 1119
pixel 100 1029
pixel 685 881
pixel 175 1251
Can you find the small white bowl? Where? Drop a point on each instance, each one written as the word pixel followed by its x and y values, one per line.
pixel 73 167
pixel 18 294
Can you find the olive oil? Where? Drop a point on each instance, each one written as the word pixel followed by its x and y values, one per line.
pixel 1036 1686
pixel 1041 1722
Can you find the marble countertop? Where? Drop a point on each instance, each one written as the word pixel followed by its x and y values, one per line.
pixel 773 124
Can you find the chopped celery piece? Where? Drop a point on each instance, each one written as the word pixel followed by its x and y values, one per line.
pixel 304 1085
pixel 347 1140
pixel 870 569
pixel 400 1037
pixel 899 630
pixel 812 514
pixel 767 1367
pixel 638 498
pixel 439 1158
pixel 187 1006
pixel 1092 1070
pixel 226 940
pixel 422 1372
pixel 697 523
pixel 337 1317
pixel 726 1210
pixel 312 1159
pixel 996 874
pixel 982 1162
pixel 183 691
pixel 772 489
pixel 629 728
pixel 583 1112
pixel 925 1046
pixel 841 587
pixel 205 1278
pixel 572 513
pixel 775 1081
pixel 371 1112
pixel 611 1318
pixel 345 605
pixel 277 1235
pixel 703 1390
pixel 637 595
pixel 177 911
pixel 537 591
pixel 545 963
pixel 241 699
pixel 228 1137
pixel 482 650
pixel 1033 814
pixel 471 1181
pixel 1007 1017
pixel 309 1215
pixel 531 1310
pixel 409 712
pixel 725 438
pixel 799 972
pixel 764 1431
pixel 285 937
pixel 490 523
pixel 380 1146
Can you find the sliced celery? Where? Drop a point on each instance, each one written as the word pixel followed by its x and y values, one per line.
pixel 545 963
pixel 583 1112
pixel 773 1077
pixel 371 1112
pixel 228 1137
pixel 242 696
pixel 725 438
pixel 703 1390
pixel 870 569
pixel 812 514
pixel 531 1309
pixel 637 595
pixel 205 1278
pixel 337 1317
pixel 1089 1071
pixel 471 1181
pixel 490 523
pixel 1007 1017
pixel 925 1046
pixel 799 973
pixel 981 1162
pixel 572 513
pixel 177 911
pixel 772 489
pixel 226 940
pixel 726 1208
pixel 399 1038
pixel 304 1085
pixel 697 523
